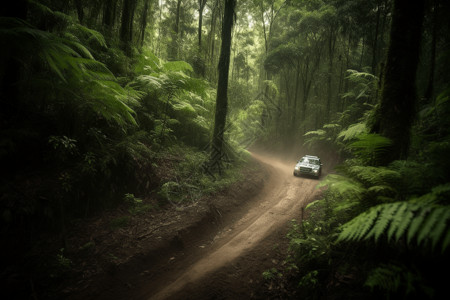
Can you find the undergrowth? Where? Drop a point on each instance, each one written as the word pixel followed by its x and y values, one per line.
pixel 378 231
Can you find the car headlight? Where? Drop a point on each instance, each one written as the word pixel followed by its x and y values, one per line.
pixel 315 171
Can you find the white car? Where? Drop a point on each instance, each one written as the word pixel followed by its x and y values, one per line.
pixel 308 165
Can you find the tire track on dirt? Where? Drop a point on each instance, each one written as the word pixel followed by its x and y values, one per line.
pixel 281 200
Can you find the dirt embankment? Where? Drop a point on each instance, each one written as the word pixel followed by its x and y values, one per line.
pixel 214 249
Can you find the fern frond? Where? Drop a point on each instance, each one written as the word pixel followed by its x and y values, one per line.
pixel 420 220
pixel 370 143
pixel 356 76
pixel 332 126
pixel 353 131
pixel 399 280
pixel 385 277
pixel 381 190
pixel 432 219
pixel 442 193
pixel 358 227
pixel 375 176
pixel 400 221
pixel 318 133
pixel 90 34
pixel 439 229
pixel 370 147
pixel 411 182
pixel 384 219
pixel 148 82
pixel 178 66
pixel 184 107
pixel 446 241
pixel 344 186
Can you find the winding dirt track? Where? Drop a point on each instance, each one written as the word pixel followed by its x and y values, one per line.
pixel 278 202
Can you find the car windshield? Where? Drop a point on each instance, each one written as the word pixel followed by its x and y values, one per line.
pixel 310 161
pixel 314 162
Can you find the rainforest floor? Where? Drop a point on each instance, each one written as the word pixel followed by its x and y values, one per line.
pixel 216 248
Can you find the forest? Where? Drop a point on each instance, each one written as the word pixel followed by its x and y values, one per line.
pixel 151 105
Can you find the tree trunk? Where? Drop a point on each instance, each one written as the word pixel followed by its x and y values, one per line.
pixel 144 21
pixel 109 13
pixel 212 36
pixel 331 48
pixel 126 29
pixel 398 98
pixel 222 86
pixel 429 90
pixel 80 12
pixel 294 116
pixel 174 46
pixel 375 40
pixel 201 6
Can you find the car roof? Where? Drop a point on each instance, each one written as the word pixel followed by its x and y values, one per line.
pixel 311 156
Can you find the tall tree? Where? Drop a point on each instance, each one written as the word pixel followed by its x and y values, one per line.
pixel 109 13
pixel 222 86
pixel 201 7
pixel 126 29
pixel 80 11
pixel 144 21
pixel 174 45
pixel 434 31
pixel 397 104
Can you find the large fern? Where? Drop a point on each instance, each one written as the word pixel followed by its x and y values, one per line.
pixel 353 131
pixel 370 147
pixel 422 221
pixel 88 80
pixel 374 176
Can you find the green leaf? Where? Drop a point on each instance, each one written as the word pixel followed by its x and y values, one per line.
pixel 415 225
pixel 178 66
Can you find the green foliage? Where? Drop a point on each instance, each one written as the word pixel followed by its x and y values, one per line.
pixel 421 220
pixel 167 87
pixel 324 138
pixel 391 278
pixel 119 222
pixel 311 251
pixel 364 85
pixel 310 280
pixel 271 274
pixel 63 262
pixel 247 125
pixel 353 131
pixel 81 76
pixel 370 147
pixel 59 265
pixel 137 205
pixel 189 183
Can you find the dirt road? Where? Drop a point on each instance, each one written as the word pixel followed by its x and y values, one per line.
pixel 206 273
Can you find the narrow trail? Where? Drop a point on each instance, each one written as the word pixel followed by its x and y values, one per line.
pixel 277 203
